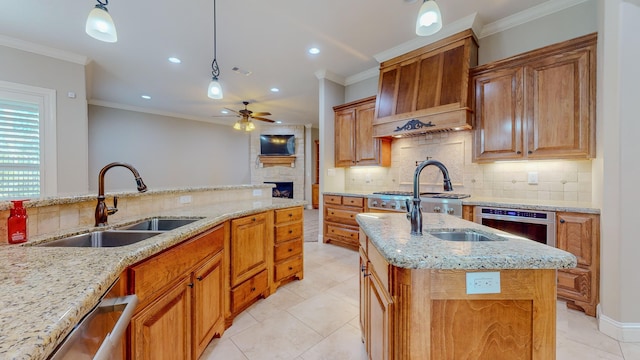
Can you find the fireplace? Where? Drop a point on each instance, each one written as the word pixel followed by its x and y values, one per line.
pixel 283 189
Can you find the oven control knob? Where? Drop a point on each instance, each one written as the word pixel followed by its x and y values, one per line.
pixel 436 209
pixel 374 203
pixel 384 204
pixel 451 211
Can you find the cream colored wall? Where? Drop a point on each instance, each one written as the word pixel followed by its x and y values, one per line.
pixel 27 68
pixel 168 152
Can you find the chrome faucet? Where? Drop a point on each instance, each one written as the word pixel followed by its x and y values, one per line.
pixel 414 213
pixel 102 210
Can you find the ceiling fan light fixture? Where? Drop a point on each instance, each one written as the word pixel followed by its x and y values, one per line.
pixel 237 125
pixel 100 25
pixel 429 19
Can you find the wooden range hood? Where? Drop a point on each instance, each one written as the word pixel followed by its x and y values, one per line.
pixel 427 90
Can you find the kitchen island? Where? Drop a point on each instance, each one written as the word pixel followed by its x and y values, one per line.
pixel 45 291
pixel 427 298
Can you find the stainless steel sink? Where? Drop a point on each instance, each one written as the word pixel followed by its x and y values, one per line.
pixel 464 235
pixel 108 238
pixel 158 224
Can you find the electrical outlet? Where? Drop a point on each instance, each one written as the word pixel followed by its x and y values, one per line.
pixel 532 177
pixel 483 282
pixel 257 192
pixel 186 199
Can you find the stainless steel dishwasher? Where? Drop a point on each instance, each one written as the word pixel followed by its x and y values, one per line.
pixel 98 336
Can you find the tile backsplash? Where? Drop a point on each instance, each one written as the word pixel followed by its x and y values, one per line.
pixel 569 180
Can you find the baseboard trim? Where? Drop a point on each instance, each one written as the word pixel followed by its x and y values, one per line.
pixel 625 332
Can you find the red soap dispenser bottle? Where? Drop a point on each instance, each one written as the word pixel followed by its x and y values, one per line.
pixel 17 223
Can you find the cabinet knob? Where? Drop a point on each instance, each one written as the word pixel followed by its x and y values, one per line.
pixel 199 278
pixel 190 285
pixel 529 152
pixel 290 249
pixel 290 215
pixel 562 221
pixel 518 152
pixel 290 268
pixel 363 268
pixel 253 289
pixel 254 219
pixel 290 231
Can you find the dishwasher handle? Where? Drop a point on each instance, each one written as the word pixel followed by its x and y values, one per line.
pixel 129 303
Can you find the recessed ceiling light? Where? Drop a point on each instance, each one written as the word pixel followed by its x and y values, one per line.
pixel 174 60
pixel 224 111
pixel 314 51
pixel 275 89
pixel 146 97
pixel 278 122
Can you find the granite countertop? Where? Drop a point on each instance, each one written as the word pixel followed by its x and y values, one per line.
pixel 523 204
pixel 391 234
pixel 45 291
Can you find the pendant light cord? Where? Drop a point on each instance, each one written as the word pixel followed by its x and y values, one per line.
pixel 214 65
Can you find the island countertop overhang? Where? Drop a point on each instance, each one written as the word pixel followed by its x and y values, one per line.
pixel 390 234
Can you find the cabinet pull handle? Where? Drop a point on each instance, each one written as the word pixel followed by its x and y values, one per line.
pixel 290 268
pixel 190 285
pixel 254 219
pixel 562 221
pixel 363 268
pixel 290 249
pixel 199 278
pixel 253 289
pixel 290 214
pixel 529 152
pixel 518 152
pixel 290 231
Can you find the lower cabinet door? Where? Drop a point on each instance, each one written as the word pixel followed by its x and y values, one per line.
pixel 208 303
pixel 162 330
pixel 378 320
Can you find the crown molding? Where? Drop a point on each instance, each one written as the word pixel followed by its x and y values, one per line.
pixel 455 27
pixel 155 112
pixel 326 74
pixel 43 50
pixel 361 76
pixel 527 15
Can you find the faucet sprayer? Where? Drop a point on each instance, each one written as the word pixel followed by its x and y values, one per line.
pixel 102 210
pixel 414 213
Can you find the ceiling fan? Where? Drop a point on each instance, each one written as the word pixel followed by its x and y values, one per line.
pixel 245 118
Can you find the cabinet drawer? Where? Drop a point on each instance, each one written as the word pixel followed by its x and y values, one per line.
pixel 248 290
pixel 288 232
pixel 351 234
pixel 575 284
pixel 333 199
pixel 288 268
pixel 151 275
pixel 287 249
pixel 342 216
pixel 352 201
pixel 378 265
pixel 287 215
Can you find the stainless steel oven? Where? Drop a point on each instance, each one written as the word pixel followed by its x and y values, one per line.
pixel 536 225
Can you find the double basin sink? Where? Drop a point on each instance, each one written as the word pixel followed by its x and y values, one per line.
pixel 121 236
pixel 464 235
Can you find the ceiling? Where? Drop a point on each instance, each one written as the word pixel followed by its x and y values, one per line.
pixel 268 38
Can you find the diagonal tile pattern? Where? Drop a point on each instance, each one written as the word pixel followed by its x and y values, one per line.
pixel 317 319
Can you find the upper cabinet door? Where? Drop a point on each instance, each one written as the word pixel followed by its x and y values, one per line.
pixel 560 105
pixel 498 115
pixel 345 127
pixel 367 147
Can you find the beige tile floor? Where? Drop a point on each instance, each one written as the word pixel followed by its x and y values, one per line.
pixel 317 319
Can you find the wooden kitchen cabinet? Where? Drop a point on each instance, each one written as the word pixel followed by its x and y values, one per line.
pixel 354 141
pixel 339 225
pixel 467 212
pixel 579 234
pixel 288 246
pixel 429 85
pixel 181 298
pixel 537 105
pixel 250 259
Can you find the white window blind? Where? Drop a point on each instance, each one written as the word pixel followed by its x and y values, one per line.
pixel 20 151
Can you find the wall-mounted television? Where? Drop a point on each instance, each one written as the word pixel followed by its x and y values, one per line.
pixel 277 145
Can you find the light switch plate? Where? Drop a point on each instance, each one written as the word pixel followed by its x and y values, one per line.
pixel 257 192
pixel 483 282
pixel 532 177
pixel 185 199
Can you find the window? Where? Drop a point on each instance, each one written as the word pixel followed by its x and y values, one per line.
pixel 27 142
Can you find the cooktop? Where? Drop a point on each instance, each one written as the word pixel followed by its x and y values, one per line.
pixel 423 194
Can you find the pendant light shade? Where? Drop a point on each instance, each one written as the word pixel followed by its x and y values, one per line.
pixel 215 89
pixel 429 19
pixel 100 24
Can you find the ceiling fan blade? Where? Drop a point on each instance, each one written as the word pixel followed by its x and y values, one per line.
pixel 232 111
pixel 261 114
pixel 263 119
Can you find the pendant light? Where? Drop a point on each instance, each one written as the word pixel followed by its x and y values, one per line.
pixel 100 24
pixel 215 90
pixel 429 19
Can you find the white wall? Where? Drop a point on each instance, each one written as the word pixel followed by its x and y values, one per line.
pixel 27 68
pixel 168 152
